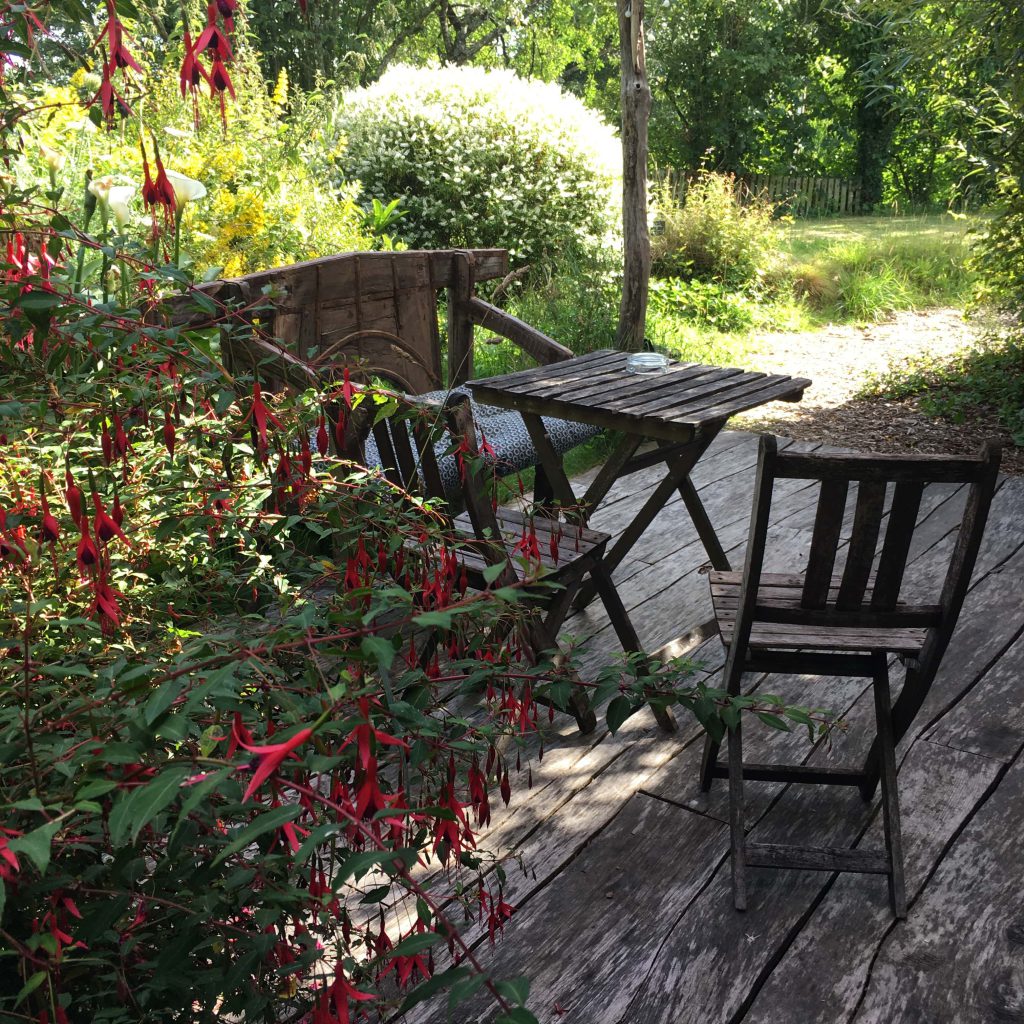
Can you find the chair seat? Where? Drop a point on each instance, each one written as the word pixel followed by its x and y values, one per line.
pixel 505 433
pixel 784 591
pixel 571 542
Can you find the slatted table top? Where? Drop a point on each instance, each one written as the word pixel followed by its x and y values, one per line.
pixel 673 406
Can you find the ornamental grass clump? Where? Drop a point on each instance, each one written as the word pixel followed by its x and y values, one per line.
pixel 481 158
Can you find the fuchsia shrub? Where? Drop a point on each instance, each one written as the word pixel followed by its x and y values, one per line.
pixel 226 759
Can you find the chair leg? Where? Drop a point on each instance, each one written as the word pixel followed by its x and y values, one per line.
pixel 540 639
pixel 738 843
pixel 890 796
pixel 707 762
pixel 625 631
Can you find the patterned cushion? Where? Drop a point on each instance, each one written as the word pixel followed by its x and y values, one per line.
pixel 505 432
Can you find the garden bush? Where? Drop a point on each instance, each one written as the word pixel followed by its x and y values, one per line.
pixel 271 193
pixel 484 158
pixel 714 233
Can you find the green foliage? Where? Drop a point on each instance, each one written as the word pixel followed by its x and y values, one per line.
pixel 866 268
pixel 484 158
pixel 978 382
pixel 714 234
pixel 703 302
pixel 269 197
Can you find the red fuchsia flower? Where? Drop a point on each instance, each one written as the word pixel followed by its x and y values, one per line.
pixel 106 528
pixel 121 443
pixel 212 38
pixel 73 496
pixel 50 530
pixel 323 441
pixel 105 603
pixel 106 446
pixel 192 72
pixel 157 190
pixel 9 865
pixel 116 512
pixel 333 1006
pixel 113 30
pixel 270 756
pixel 87 554
pixel 169 433
pixel 260 415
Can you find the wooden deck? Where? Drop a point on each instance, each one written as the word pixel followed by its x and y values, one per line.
pixel 624 912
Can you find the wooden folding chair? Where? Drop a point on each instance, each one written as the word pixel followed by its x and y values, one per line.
pixel 410 461
pixel 821 623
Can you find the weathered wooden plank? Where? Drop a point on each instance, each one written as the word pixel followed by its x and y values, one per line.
pixel 821 975
pixel 960 957
pixel 582 965
pixel 989 720
pixel 715 959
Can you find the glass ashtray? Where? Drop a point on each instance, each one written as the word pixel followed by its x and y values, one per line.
pixel 646 362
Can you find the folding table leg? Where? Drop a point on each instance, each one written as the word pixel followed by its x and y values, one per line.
pixel 625 631
pixel 890 795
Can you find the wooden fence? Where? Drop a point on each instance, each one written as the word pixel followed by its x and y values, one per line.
pixel 800 195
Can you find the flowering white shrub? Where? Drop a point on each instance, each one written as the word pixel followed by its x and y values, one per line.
pixel 485 158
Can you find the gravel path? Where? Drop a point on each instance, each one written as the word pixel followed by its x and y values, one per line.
pixel 838 359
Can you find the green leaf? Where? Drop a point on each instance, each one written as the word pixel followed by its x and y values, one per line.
pixel 357 864
pixel 137 808
pixel 36 845
pixel 30 986
pixel 258 826
pixel 3 899
pixel 413 944
pixel 378 650
pixel 161 700
pixel 440 619
pixel 773 720
pixel 492 572
pixel 618 711
pixel 438 983
pixel 462 990
pixel 515 989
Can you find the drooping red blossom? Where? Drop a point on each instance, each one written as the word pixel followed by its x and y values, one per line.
pixel 50 530
pixel 169 433
pixel 333 1005
pixel 113 32
pixel 105 603
pixel 212 38
pixel 260 414
pixel 87 554
pixel 73 496
pixel 270 756
pixel 106 527
pixel 192 73
pixel 220 84
pixel 323 441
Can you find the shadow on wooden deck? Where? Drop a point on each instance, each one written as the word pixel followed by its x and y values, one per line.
pixel 624 913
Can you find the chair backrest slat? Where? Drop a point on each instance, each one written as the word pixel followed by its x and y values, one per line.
pixel 899 532
pixel 867 521
pixel 388 456
pixel 864 598
pixel 828 523
pixel 430 472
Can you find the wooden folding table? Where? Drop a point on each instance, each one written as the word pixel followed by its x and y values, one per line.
pixel 681 410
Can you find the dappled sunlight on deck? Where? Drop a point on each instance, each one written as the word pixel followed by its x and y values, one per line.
pixel 624 912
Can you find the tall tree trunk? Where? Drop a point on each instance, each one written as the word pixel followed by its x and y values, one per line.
pixel 636 111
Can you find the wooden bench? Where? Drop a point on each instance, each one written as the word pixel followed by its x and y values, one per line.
pixel 377 314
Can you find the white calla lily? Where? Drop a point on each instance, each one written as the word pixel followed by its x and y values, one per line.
pixel 100 188
pixel 54 161
pixel 117 199
pixel 185 189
